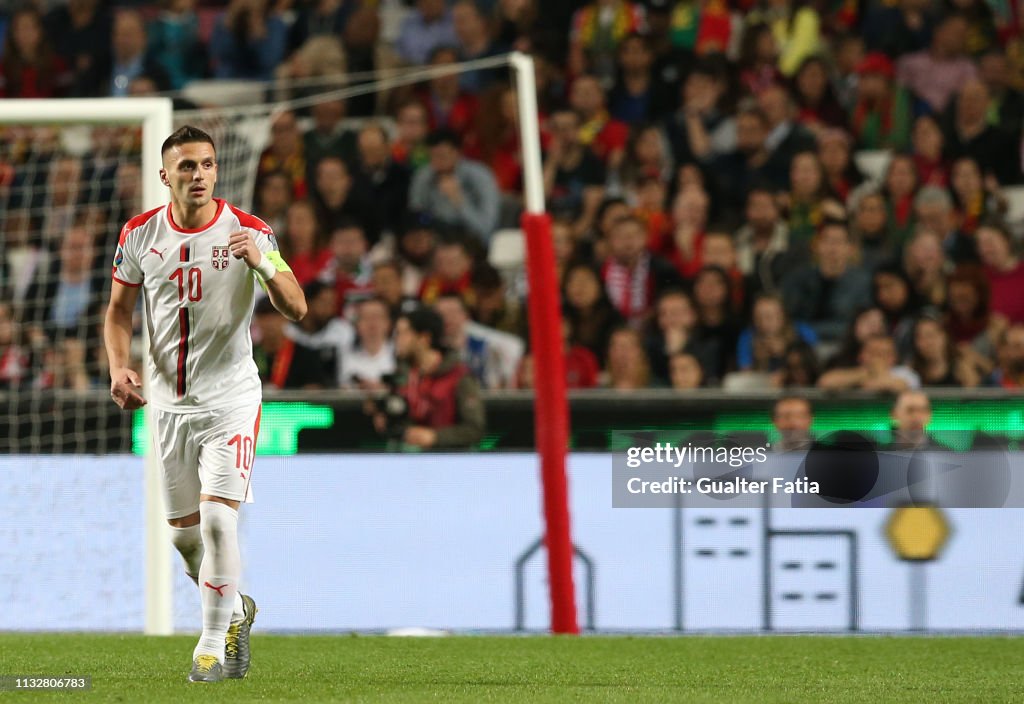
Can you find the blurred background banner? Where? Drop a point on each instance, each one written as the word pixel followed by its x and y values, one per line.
pixel 391 541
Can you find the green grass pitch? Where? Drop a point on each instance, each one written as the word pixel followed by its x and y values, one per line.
pixel 789 669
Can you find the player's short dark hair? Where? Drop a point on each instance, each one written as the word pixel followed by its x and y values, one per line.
pixel 426 321
pixel 186 135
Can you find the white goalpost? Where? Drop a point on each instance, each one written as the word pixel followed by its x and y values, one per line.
pixel 155 115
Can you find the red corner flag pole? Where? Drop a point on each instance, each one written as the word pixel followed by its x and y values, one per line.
pixel 551 410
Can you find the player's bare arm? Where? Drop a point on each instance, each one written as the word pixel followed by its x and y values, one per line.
pixel 282 287
pixel 125 383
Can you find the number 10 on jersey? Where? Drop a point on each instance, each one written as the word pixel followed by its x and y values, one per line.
pixel 194 279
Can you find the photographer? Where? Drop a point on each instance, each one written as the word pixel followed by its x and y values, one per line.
pixel 443 407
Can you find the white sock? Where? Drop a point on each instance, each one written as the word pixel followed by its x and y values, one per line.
pixel 218 575
pixel 189 544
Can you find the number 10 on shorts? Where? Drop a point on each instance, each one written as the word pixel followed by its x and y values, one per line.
pixel 245 451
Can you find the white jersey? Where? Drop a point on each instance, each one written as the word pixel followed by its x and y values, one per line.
pixel 199 302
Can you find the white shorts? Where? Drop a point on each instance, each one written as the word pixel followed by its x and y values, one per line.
pixel 209 452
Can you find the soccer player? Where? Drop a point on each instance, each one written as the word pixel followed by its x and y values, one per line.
pixel 197 262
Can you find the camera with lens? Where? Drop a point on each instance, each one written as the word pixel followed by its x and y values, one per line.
pixel 395 409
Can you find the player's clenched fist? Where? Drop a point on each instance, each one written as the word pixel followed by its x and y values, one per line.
pixel 243 246
pixel 124 389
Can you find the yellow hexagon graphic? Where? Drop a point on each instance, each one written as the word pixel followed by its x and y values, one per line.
pixel 917 533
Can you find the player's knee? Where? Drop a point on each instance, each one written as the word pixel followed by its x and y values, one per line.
pixel 188 541
pixel 219 523
pixel 188 521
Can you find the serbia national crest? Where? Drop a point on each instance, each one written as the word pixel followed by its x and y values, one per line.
pixel 221 257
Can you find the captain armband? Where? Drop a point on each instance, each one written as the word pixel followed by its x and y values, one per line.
pixel 271 263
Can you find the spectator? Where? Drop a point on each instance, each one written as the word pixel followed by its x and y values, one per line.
pixel 596 31
pixel 792 417
pixel 23 259
pixel 410 146
pixel 800 368
pixel 573 176
pixel 316 66
pixel 967 307
pixel 637 96
pixel 971 134
pixel 338 202
pixel 867 322
pixel 627 368
pixel 1003 269
pixel 894 296
pixel 841 174
pixel 492 356
pixel 417 243
pixel 273 196
pixel 786 137
pixel 473 42
pixel 797 30
pixel 763 251
pixel 322 330
pixel 911 415
pixel 749 165
pixel 14 361
pixel 981 26
pixel 589 313
pixel 84 29
pixel 807 198
pixel 382 182
pixel 826 293
pixel 685 243
pixel 328 136
pixel 817 106
pixel 685 373
pixel 899 28
pixel 249 40
pixel 605 136
pixel 674 331
pixel 492 306
pixel 350 268
pixel 365 52
pixel 935 359
pixel 370 356
pixel 455 191
pixel 494 140
pixel 302 243
pixel 386 282
pixel 57 299
pixel 428 27
pixel 877 370
pixel 128 56
pixel 701 130
pixel 282 362
pixel 452 274
pixel 285 153
pixel 648 156
pixel 64 366
pixel 319 18
pixel 936 74
pixel 870 229
pixel 934 212
pixel 445 408
pixel 175 44
pixel 1007 103
pixel 882 111
pixel 759 59
pixel 925 264
pixel 30 67
pixel 717 322
pixel 899 189
pixel 448 106
pixel 762 346
pixel 64 189
pixel 1009 370
pixel 928 145
pixel 631 275
pixel 977 198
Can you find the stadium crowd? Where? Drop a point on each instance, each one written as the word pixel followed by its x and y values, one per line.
pixel 711 224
